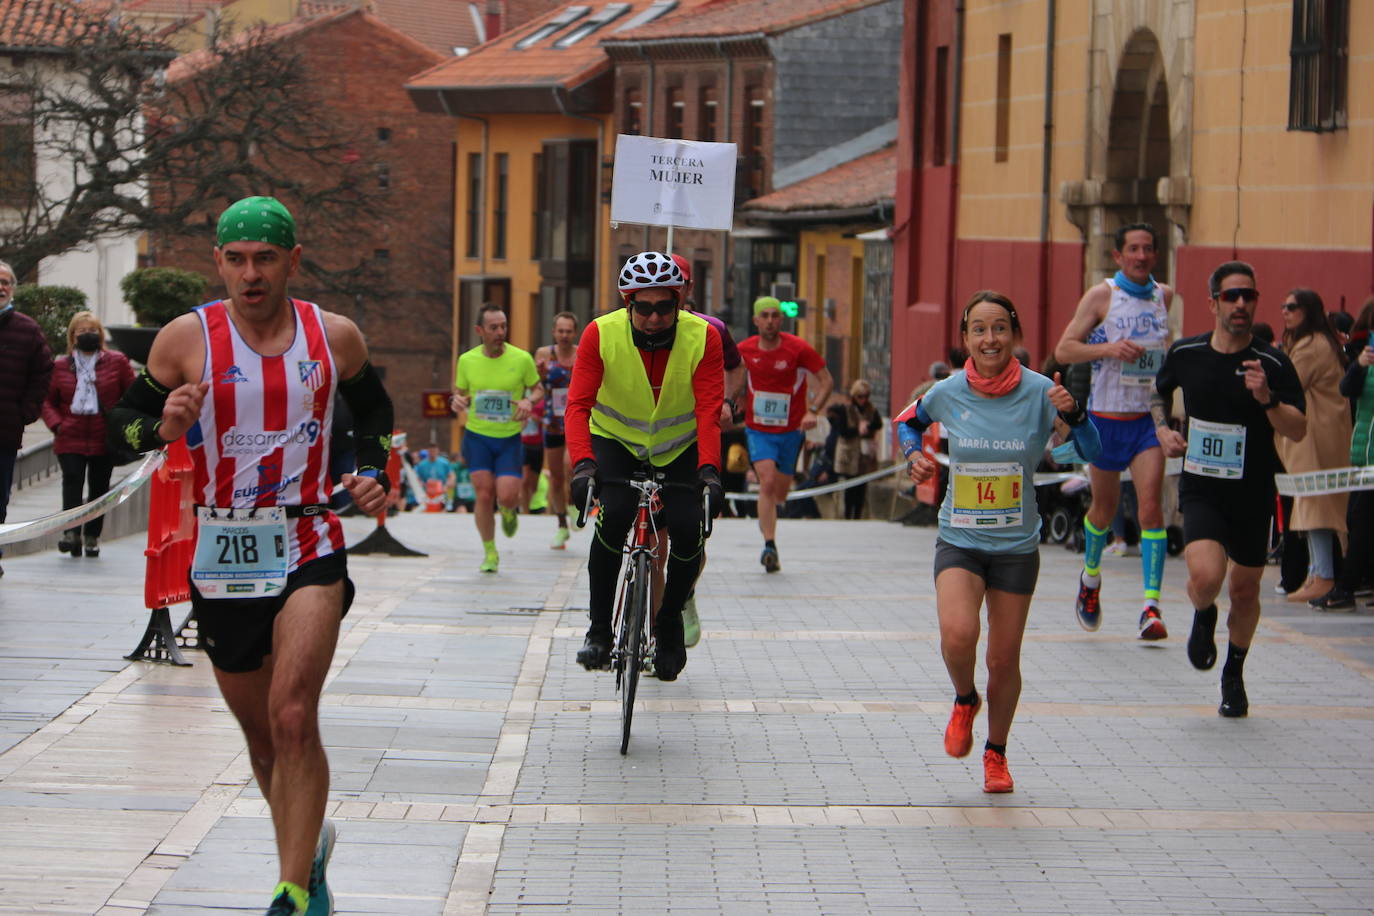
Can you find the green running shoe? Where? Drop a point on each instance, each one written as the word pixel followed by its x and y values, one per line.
pixel 560 539
pixel 321 900
pixel 490 563
pixel 509 522
pixel 691 623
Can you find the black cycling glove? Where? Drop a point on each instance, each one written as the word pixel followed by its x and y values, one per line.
pixel 710 482
pixel 583 483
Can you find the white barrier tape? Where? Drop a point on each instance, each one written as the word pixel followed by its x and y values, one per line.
pixel 13 532
pixel 1323 483
pixel 827 488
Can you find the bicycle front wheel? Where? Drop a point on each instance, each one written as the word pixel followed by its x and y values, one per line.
pixel 633 623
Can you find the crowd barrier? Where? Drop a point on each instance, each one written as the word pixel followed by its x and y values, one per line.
pixel 171 547
pixel 381 540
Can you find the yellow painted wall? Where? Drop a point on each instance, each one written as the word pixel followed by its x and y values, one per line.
pixel 1297 189
pixel 1001 200
pixel 521 137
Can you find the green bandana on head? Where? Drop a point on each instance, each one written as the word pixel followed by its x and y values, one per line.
pixel 257 219
pixel 764 303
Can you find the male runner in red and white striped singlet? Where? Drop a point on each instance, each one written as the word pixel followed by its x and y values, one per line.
pixel 249 380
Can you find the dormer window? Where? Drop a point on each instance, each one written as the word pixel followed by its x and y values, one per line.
pixel 609 13
pixel 564 18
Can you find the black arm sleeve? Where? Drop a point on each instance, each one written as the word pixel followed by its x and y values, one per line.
pixel 373 417
pixel 133 422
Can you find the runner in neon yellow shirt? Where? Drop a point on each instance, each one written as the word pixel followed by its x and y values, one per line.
pixel 495 385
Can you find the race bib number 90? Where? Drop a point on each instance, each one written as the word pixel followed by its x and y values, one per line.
pixel 1215 449
pixel 494 406
pixel 240 553
pixel 772 408
pixel 986 495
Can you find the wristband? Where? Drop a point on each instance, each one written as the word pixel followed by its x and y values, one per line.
pixel 378 475
pixel 1273 402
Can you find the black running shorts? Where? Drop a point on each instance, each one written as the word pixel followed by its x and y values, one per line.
pixel 1239 524
pixel 1015 573
pixel 237 632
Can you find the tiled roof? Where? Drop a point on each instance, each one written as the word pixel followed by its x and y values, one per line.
pixel 719 18
pixel 188 64
pixel 36 23
pixel 863 182
pixel 441 25
pixel 178 8
pixel 500 63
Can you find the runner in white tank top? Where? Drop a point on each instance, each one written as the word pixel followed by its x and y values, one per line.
pixel 1121 327
pixel 250 381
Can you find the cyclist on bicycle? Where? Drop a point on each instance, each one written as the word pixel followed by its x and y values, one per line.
pixel 646 392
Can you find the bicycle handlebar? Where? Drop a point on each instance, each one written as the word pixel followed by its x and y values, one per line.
pixel 639 483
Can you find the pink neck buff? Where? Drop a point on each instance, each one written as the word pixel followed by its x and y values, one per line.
pixel 1003 383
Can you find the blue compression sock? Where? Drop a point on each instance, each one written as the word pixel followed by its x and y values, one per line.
pixel 1094 543
pixel 1154 544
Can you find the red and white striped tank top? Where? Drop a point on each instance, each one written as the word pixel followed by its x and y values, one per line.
pixel 263 434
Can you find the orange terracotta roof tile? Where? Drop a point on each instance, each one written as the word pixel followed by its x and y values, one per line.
pixel 860 182
pixel 719 18
pixel 441 25
pixel 500 63
pixel 36 23
pixel 179 8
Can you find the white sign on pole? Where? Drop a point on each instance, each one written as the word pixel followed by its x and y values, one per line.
pixel 684 183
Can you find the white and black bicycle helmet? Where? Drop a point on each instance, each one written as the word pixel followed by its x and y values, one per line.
pixel 650 269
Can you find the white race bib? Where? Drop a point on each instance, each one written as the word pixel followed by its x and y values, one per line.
pixel 1141 372
pixel 240 553
pixel 1215 449
pixel 495 406
pixel 772 408
pixel 558 401
pixel 986 495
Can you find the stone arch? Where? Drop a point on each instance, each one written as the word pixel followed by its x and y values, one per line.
pixel 1139 128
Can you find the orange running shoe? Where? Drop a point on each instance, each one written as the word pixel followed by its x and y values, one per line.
pixel 959 731
pixel 1152 624
pixel 996 777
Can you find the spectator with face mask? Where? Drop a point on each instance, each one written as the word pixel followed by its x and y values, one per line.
pixel 86 383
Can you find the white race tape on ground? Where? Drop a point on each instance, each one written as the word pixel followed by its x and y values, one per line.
pixel 13 532
pixel 1321 483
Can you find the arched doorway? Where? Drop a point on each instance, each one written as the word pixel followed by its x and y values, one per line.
pixel 1139 131
pixel 1138 151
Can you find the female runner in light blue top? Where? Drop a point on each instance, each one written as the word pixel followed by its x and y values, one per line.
pixel 998 419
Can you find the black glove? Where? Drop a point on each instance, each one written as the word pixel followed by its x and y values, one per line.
pixel 583 483
pixel 710 482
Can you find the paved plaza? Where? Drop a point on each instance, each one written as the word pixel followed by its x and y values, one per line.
pixel 795 767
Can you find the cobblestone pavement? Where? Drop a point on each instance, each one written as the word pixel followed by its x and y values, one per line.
pixel 795 767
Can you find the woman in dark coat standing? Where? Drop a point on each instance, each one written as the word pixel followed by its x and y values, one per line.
pixel 85 383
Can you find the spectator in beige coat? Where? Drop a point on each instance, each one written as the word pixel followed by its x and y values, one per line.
pixel 1312 346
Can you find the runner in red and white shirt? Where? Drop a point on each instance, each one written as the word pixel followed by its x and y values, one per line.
pixel 249 381
pixel 777 409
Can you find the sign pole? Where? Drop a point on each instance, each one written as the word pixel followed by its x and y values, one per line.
pixel 670 238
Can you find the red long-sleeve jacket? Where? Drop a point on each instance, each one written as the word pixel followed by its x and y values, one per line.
pixel 708 382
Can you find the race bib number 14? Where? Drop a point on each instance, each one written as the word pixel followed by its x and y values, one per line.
pixel 986 495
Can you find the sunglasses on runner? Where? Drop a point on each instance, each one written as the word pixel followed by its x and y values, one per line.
pixel 1248 293
pixel 645 309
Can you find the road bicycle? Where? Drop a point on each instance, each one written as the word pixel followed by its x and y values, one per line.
pixel 632 652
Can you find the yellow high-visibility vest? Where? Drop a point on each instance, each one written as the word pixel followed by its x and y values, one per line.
pixel 625 410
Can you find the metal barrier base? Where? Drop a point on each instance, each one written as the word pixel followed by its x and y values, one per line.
pixel 382 541
pixel 159 642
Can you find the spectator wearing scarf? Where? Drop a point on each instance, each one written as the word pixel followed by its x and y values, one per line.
pixel 85 383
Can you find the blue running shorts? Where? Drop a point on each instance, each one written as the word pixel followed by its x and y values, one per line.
pixel 1122 440
pixel 779 448
pixel 503 456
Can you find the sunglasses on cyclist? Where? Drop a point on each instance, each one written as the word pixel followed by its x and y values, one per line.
pixel 1248 293
pixel 662 309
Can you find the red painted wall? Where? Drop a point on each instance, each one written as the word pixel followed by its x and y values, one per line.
pixel 1339 277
